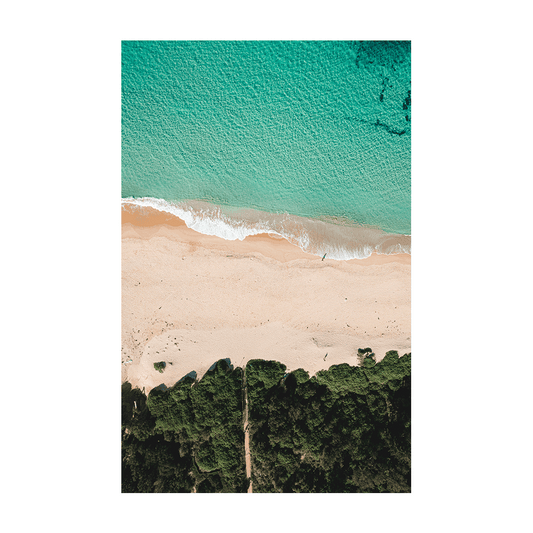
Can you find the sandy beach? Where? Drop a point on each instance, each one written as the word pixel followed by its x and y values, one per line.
pixel 189 299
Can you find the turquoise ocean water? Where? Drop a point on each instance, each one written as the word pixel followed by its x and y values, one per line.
pixel 308 140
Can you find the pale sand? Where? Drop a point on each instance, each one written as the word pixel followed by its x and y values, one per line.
pixel 191 299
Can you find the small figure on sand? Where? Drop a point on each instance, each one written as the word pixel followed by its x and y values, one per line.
pixel 325 357
pixel 324 256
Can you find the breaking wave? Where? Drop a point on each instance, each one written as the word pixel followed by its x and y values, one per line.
pixel 338 239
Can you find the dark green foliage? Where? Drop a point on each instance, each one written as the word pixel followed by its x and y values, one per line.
pixel 341 378
pixel 160 366
pixel 345 430
pixel 391 367
pixel 300 375
pixel 192 436
pixel 136 418
pixel 369 362
pixel 261 376
pixel 366 357
pixel 154 465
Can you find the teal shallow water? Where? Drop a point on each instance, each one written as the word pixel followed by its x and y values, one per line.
pixel 320 130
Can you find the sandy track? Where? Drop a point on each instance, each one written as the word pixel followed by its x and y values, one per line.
pixel 247 456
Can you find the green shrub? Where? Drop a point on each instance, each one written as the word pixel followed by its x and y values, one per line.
pixel 160 366
pixel 300 375
pixel 369 362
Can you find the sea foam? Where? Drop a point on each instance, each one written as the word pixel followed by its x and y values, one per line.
pixel 341 242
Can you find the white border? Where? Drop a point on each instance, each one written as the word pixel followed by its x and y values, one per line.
pixel 112 33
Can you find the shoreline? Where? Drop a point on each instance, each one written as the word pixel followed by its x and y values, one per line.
pixel 339 238
pixel 145 222
pixel 191 299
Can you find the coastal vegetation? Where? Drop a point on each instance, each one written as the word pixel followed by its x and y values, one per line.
pixel 347 429
pixel 160 366
pixel 187 437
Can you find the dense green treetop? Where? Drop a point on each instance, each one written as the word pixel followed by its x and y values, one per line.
pixel 347 429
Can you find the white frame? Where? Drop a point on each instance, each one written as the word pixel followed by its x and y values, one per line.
pixel 113 31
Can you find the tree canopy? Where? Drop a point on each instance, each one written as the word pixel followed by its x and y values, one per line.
pixel 347 429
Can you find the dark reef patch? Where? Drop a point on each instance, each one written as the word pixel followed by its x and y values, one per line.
pixel 381 53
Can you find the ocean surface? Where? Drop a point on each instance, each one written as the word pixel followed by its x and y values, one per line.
pixel 307 140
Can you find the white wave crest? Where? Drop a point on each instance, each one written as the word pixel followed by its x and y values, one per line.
pixel 315 237
pixel 208 220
